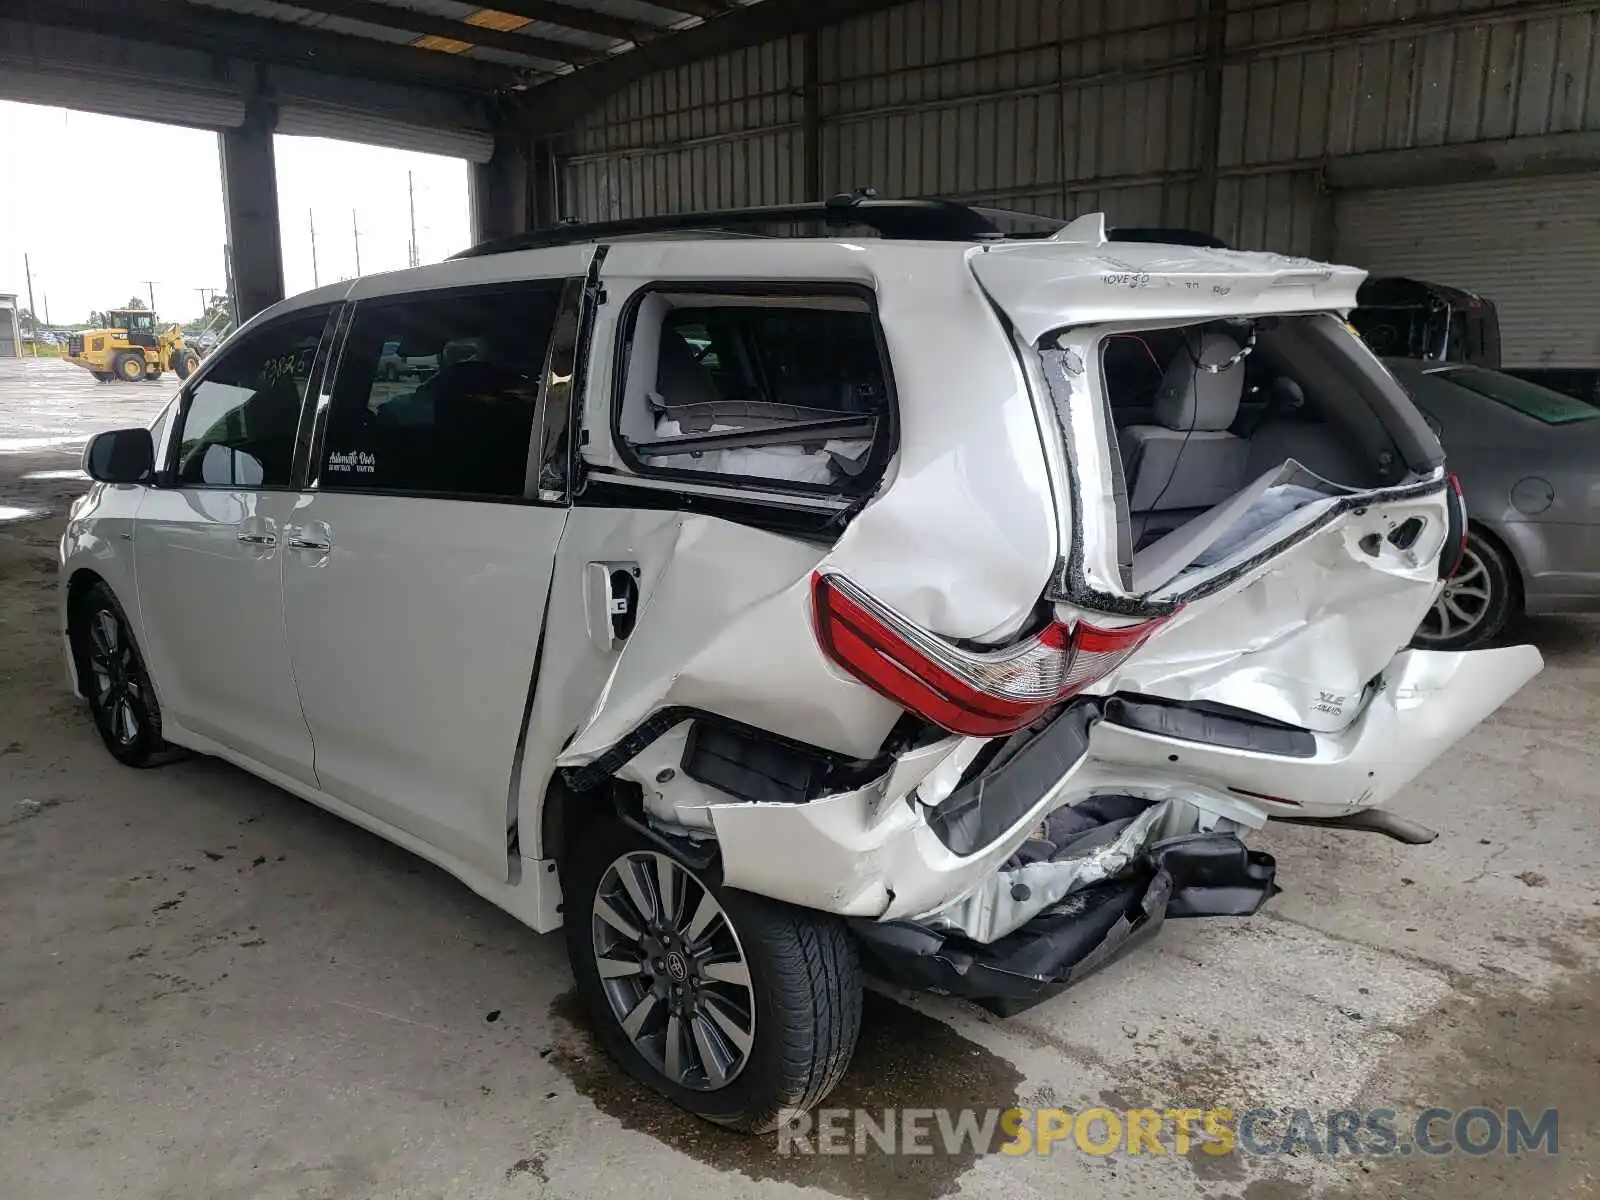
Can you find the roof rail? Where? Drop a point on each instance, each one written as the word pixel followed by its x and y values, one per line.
pixel 916 220
pixel 921 220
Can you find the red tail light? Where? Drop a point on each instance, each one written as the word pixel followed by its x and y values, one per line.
pixel 977 694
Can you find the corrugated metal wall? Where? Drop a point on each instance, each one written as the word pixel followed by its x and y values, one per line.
pixel 721 133
pixel 1063 108
pixel 1540 273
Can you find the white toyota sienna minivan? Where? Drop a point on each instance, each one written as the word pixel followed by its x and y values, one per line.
pixel 773 597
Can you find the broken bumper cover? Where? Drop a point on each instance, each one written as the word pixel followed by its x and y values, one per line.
pixel 862 854
pixel 1197 875
pixel 1424 702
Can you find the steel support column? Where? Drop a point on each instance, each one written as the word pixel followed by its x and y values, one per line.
pixel 250 204
pixel 500 189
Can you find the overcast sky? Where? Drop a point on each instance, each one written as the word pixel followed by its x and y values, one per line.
pixel 97 224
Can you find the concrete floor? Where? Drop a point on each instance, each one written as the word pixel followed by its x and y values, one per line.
pixel 211 989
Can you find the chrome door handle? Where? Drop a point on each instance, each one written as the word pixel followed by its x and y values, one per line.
pixel 297 542
pixel 259 539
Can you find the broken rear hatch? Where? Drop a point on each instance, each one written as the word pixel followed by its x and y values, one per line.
pixel 1293 544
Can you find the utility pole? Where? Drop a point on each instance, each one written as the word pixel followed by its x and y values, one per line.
pixel 356 231
pixel 312 217
pixel 46 312
pixel 27 269
pixel 151 284
pixel 411 198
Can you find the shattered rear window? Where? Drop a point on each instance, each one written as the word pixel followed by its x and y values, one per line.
pixel 1529 399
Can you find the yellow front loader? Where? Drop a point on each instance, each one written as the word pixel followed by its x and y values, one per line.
pixel 131 348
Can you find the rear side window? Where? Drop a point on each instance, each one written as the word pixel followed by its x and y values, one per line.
pixel 436 394
pixel 784 389
pixel 239 421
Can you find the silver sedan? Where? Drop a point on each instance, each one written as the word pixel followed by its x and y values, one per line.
pixel 1528 460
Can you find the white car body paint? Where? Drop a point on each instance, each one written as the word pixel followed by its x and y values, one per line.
pixel 1299 638
pixel 412 592
pixel 961 535
pixel 1046 285
pixel 411 678
pixel 1423 703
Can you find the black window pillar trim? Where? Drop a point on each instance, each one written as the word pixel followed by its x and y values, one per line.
pixel 315 425
pixel 553 460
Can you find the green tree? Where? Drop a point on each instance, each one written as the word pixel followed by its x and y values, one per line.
pixel 221 306
pixel 136 303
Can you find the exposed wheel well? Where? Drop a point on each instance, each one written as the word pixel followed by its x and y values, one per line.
pixel 567 813
pixel 564 815
pixel 77 588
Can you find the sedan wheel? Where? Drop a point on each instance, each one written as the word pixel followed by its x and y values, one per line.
pixel 1475 603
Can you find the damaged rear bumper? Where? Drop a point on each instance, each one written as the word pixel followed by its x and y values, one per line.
pixel 1197 875
pixel 1006 871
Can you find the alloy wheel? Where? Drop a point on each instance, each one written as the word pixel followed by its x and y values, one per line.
pixel 1463 603
pixel 118 681
pixel 673 970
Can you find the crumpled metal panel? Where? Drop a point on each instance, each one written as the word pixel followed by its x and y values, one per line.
pixel 1300 641
pixel 1045 285
pixel 1009 899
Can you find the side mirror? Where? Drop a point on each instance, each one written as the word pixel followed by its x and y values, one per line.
pixel 120 456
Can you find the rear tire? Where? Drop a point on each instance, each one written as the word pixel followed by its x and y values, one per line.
pixel 1477 601
pixel 128 367
pixel 112 675
pixel 767 992
pixel 152 376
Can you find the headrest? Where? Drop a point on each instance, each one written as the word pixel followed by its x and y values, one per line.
pixel 1287 395
pixel 1194 399
pixel 680 378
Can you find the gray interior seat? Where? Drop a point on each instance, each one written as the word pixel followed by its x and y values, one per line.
pixel 1188 462
pixel 685 388
pixel 1288 432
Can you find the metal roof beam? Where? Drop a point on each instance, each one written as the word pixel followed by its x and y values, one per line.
pixel 555 106
pixel 698 8
pixel 582 19
pixel 391 16
pixel 259 39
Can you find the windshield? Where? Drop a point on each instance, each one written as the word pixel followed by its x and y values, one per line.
pixel 1529 399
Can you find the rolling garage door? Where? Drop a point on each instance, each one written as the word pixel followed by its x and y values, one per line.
pixel 1530 245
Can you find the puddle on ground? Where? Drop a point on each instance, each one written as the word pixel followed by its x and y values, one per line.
pixel 9 513
pixel 70 473
pixel 903 1060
